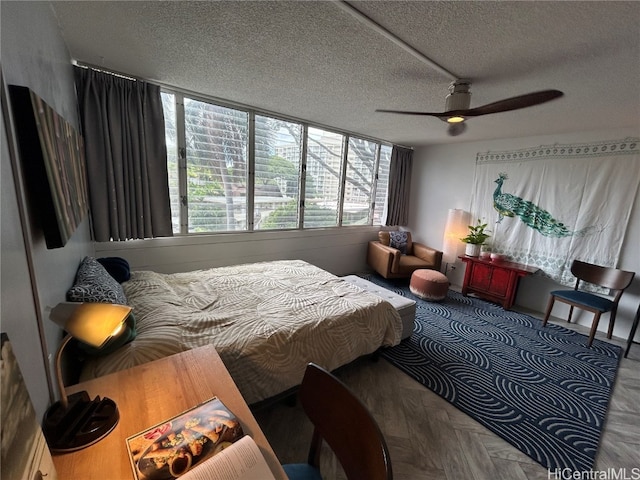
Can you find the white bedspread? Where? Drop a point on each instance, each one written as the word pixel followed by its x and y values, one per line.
pixel 267 321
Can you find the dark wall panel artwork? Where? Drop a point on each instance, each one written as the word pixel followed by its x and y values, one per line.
pixel 52 158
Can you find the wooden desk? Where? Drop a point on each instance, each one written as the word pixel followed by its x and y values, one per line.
pixel 495 281
pixel 149 394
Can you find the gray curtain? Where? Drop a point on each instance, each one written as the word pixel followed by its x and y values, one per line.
pixel 399 186
pixel 126 155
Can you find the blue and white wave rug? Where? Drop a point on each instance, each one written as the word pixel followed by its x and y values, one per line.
pixel 541 389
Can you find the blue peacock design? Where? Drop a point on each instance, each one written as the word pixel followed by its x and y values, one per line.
pixel 508 205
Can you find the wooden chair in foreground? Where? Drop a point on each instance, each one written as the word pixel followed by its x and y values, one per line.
pixel 612 278
pixel 346 425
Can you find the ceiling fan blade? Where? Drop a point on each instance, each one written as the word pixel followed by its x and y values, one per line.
pixel 408 112
pixel 514 103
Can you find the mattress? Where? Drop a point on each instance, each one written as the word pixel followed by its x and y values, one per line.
pixel 405 307
pixel 267 321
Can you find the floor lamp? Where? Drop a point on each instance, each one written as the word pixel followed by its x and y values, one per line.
pixel 75 421
pixel 456 227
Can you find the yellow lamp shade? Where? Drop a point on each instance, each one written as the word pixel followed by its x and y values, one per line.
pixel 91 323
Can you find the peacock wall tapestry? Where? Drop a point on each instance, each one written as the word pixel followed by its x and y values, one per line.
pixel 550 204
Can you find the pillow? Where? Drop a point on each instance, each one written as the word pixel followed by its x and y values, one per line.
pixel 117 267
pixel 398 240
pixel 128 334
pixel 94 284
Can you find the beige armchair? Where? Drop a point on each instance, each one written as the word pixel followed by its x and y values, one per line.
pixel 391 263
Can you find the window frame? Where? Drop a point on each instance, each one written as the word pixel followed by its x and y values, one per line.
pixel 179 96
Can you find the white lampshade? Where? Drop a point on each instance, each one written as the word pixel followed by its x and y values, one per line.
pixel 457 227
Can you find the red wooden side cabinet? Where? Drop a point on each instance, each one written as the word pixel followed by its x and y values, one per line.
pixel 496 281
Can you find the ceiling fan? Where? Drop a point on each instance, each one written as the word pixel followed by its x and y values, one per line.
pixel 457 103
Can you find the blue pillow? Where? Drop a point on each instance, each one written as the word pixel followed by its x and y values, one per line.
pixel 117 267
pixel 398 240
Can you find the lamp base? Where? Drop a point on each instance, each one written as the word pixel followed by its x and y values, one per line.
pixel 82 423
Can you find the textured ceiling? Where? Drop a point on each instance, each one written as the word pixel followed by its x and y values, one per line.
pixel 315 61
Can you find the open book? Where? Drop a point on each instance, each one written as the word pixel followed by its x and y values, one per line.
pixel 242 461
pixel 191 442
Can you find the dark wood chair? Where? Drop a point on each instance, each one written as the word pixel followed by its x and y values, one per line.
pixel 612 278
pixel 632 333
pixel 346 425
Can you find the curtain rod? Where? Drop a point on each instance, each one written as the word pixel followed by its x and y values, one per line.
pixel 403 146
pixel 90 66
pixel 231 103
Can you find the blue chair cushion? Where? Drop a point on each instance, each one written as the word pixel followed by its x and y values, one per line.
pixel 301 471
pixel 585 298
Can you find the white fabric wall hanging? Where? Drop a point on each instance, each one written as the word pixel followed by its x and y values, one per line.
pixel 550 204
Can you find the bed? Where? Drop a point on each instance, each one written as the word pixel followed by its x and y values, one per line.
pixel 267 320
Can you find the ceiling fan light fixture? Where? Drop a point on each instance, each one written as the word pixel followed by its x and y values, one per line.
pixel 456 129
pixel 456 119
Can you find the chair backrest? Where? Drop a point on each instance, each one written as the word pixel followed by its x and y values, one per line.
pixel 345 424
pixel 607 277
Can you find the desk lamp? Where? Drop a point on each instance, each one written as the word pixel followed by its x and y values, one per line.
pixel 76 421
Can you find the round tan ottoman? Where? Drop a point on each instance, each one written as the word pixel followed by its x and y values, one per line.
pixel 429 285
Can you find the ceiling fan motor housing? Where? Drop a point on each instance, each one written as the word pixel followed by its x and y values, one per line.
pixel 459 97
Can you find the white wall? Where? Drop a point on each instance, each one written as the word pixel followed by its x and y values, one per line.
pixel 339 250
pixel 443 179
pixel 34 278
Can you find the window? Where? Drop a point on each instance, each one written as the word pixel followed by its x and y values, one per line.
pixel 382 186
pixel 170 132
pixel 216 163
pixel 237 170
pixel 276 189
pixel 361 168
pixel 324 171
